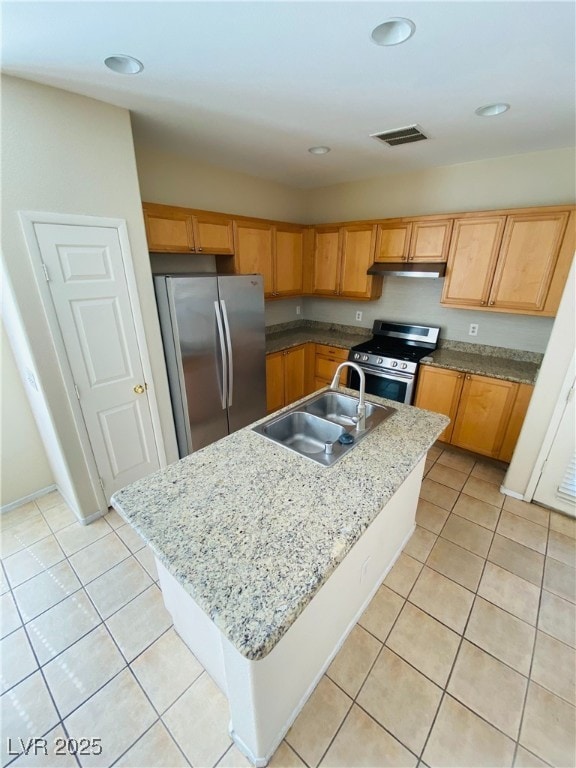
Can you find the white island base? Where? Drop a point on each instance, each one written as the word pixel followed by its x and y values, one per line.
pixel 266 695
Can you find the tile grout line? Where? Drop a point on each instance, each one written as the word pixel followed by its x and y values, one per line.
pixel 525 699
pixel 456 655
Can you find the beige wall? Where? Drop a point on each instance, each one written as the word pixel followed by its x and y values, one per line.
pixel 539 178
pixel 64 153
pixel 175 180
pixel 24 468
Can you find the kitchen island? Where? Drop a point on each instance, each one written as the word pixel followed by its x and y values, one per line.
pixel 267 559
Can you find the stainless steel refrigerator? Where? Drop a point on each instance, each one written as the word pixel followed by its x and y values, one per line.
pixel 214 344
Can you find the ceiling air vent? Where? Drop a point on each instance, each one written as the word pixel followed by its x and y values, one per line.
pixel 400 135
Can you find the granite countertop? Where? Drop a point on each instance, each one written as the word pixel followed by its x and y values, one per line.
pixel 324 333
pixel 498 362
pixel 252 530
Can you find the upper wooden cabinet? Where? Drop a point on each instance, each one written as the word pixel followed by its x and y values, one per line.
pixel 340 261
pixel 253 246
pixel 505 263
pixel 170 229
pixel 417 240
pixel 287 261
pixel 272 250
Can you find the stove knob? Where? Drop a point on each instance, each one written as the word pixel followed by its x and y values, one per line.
pixel 394 364
pixel 357 356
pixel 379 361
pixel 365 357
pixel 404 365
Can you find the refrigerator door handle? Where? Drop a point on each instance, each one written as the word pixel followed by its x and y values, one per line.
pixel 222 355
pixel 229 347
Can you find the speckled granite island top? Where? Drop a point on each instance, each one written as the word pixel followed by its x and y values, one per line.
pixel 252 530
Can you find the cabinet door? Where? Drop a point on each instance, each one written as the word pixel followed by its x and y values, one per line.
pixel 483 414
pixel 392 242
pixel 326 261
pixel 439 390
pixel 288 261
pixel 274 381
pixel 170 231
pixel 517 417
pixel 358 244
pixel 527 259
pixel 212 233
pixel 253 247
pixel 294 374
pixel 430 240
pixel 472 260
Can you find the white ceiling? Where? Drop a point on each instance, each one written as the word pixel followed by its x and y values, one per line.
pixel 251 85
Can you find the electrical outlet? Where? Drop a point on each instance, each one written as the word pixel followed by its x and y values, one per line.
pixel 358 315
pixel 298 309
pixel 473 330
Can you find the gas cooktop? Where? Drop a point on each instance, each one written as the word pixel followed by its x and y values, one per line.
pixel 396 345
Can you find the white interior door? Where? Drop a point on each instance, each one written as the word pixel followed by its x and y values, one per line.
pixel 87 281
pixel 556 486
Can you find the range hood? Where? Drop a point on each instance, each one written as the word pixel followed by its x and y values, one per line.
pixel 408 269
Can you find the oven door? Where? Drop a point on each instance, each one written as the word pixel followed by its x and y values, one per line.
pixel 390 384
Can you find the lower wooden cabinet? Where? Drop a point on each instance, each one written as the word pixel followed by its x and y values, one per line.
pixel 296 372
pixel 486 414
pixel 326 360
pixel 286 379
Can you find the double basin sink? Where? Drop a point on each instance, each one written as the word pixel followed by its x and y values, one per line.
pixel 323 428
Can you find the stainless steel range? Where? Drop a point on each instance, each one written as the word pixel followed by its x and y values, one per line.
pixel 390 359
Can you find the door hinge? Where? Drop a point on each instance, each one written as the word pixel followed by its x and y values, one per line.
pixel 77 390
pixel 46 274
pixel 101 484
pixel 570 394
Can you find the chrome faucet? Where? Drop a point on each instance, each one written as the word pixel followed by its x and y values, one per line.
pixel 360 418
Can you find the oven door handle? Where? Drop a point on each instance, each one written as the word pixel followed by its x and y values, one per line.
pixel 387 374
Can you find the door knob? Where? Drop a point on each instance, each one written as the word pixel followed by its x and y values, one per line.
pixel 138 389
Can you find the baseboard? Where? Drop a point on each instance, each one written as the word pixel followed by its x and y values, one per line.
pixel 91 518
pixel 514 494
pixel 26 499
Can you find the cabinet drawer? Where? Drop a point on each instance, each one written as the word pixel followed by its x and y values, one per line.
pixel 336 353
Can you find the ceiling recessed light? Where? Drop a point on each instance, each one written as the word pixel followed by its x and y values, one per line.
pixel 319 150
pixel 124 65
pixel 490 110
pixel 393 31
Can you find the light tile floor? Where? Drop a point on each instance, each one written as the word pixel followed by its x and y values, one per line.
pixel 465 656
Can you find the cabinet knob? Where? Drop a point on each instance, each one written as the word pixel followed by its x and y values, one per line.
pixel 410 258
pixel 492 302
pixel 459 375
pixel 199 249
pixel 482 302
pixel 468 377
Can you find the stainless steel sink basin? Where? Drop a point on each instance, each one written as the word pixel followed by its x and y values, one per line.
pixel 315 428
pixel 341 409
pixel 303 432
